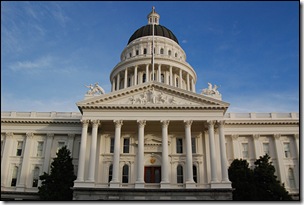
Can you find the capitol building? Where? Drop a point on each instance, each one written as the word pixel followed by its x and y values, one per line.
pixel 153 137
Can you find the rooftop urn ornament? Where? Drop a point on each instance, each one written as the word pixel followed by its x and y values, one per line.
pixel 212 91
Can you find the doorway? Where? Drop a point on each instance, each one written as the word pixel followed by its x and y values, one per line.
pixel 152 174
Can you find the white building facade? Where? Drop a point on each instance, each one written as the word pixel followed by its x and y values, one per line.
pixel 151 138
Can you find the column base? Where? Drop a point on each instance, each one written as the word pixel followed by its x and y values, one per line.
pixel 20 188
pixel 139 185
pixel 220 185
pixel 165 185
pixel 114 184
pixel 190 185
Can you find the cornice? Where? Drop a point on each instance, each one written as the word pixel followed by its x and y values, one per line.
pixel 40 121
pixel 261 122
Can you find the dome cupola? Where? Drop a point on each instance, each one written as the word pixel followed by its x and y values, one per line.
pixel 153 54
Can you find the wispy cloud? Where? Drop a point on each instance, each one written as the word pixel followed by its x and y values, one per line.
pixel 32 65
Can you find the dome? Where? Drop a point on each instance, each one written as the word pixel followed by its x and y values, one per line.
pixel 159 30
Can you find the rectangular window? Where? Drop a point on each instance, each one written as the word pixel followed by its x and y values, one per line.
pixel 126 145
pixel 14 176
pixel 180 175
pixel 19 148
pixel 193 145
pixel 125 174
pixel 35 177
pixel 179 145
pixel 287 150
pixel 40 149
pixel 245 150
pixel 112 145
pixel 266 148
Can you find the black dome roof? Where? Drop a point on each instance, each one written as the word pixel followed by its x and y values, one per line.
pixel 159 30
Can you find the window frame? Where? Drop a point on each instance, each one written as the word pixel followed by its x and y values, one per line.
pixel 179 145
pixel 179 174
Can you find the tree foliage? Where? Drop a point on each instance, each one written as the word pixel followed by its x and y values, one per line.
pixel 257 184
pixel 56 186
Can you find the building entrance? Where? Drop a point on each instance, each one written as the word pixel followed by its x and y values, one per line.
pixel 152 174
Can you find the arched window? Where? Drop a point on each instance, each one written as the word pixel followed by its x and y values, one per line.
pixel 169 52
pixel 175 55
pixel 144 78
pixel 194 173
pixel 14 176
pixel 125 174
pixel 35 176
pixel 162 77
pixel 179 174
pixel 161 51
pixel 291 178
pixel 110 173
pixel 145 51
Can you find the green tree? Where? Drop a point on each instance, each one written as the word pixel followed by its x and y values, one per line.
pixel 266 182
pixel 241 178
pixel 56 186
pixel 257 184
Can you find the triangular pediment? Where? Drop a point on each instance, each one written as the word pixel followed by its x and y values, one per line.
pixel 152 94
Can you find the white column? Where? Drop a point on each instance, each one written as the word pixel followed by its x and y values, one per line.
pixel 113 84
pixel 171 76
pixel 118 81
pixel 223 152
pixel 147 73
pixel 47 154
pixel 189 178
pixel 135 75
pixel 82 153
pixel 165 157
pixel 25 162
pixel 115 181
pixel 159 73
pixel 140 183
pixel 296 138
pixel 188 82
pixel 71 138
pixel 236 147
pixel 193 85
pixel 93 151
pixel 180 78
pixel 7 151
pixel 256 145
pixel 280 155
pixel 126 78
pixel 212 151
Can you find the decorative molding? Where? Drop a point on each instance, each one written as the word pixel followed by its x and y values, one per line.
pixel 118 123
pixel 9 134
pixel 141 123
pixel 165 123
pixel 188 123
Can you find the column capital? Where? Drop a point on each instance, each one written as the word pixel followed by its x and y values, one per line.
pixel 276 136
pixel 71 135
pixel 9 134
pixel 29 135
pixel 221 122
pixel 211 123
pixel 188 123
pixel 256 136
pixel 118 123
pixel 165 123
pixel 141 123
pixel 234 137
pixel 50 134
pixel 84 122
pixel 95 123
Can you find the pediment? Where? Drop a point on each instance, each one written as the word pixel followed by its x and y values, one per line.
pixel 154 95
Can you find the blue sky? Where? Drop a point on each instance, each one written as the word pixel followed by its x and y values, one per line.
pixel 50 50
